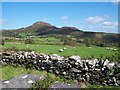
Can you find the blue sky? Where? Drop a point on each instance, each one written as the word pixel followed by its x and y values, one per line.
pixel 88 16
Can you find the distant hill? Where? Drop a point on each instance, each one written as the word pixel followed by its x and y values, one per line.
pixel 43 28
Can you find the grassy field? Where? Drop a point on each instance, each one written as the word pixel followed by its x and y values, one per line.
pixel 83 51
pixel 9 72
pixel 42 46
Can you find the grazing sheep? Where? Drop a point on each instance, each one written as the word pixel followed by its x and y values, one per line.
pixel 64 48
pixel 61 50
pixel 90 47
pixel 114 49
pixel 107 48
pixel 111 48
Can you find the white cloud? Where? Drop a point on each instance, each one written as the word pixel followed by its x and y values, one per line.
pixel 2 21
pixel 115 0
pixel 45 19
pixel 107 24
pixel 64 17
pixel 94 20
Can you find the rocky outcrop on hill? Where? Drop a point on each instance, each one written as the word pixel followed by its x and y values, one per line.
pixel 94 71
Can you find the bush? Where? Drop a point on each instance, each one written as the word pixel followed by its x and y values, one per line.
pixel 69 41
pixel 29 41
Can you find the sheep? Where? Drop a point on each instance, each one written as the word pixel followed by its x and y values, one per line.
pixel 111 48
pixel 64 48
pixel 114 49
pixel 27 46
pixel 61 50
pixel 107 48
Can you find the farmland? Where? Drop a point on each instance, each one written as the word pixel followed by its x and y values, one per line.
pixel 83 51
pixel 51 45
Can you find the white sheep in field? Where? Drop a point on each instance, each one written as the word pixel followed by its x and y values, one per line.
pixel 114 49
pixel 64 48
pixel 61 50
pixel 107 48
pixel 111 48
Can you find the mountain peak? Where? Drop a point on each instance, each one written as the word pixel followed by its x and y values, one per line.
pixel 41 23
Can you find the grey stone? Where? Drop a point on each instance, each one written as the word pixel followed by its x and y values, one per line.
pixel 110 65
pixel 91 70
pixel 77 58
pixel 22 81
pixel 62 85
pixel 75 70
pixel 118 82
pixel 106 62
pixel 56 57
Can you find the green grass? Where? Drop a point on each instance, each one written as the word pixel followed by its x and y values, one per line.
pixel 9 72
pixel 83 51
pixel 91 87
pixel 38 40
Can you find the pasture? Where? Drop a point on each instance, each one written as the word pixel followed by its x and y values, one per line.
pixel 83 51
pixel 9 72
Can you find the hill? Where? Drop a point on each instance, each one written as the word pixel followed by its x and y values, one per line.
pixel 43 28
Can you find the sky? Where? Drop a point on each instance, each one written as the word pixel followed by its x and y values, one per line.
pixel 87 16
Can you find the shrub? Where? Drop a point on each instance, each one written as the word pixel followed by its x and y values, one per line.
pixel 69 41
pixel 29 41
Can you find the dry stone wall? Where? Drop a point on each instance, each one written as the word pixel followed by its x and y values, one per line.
pixel 94 71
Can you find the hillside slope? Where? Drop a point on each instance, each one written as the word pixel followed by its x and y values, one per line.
pixel 43 28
